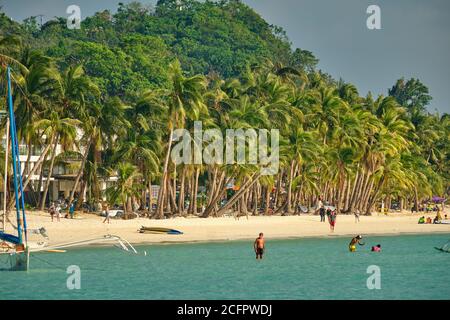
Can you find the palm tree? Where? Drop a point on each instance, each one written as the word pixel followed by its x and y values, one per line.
pixel 354 151
pixel 60 130
pixel 184 100
pixel 126 187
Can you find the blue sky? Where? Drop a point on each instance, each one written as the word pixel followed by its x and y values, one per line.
pixel 414 40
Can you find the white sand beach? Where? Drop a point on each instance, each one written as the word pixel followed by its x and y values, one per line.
pixel 86 226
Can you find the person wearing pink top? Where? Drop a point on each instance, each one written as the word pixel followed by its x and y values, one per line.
pixel 376 248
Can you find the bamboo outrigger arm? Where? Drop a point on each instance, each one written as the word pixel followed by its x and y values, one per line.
pixel 121 243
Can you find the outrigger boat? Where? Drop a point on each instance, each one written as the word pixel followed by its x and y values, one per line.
pixel 18 251
pixel 16 246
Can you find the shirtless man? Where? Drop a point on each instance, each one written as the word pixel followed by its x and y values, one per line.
pixel 106 209
pixel 258 246
pixel 353 242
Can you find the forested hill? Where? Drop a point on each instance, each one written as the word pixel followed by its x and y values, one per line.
pixel 129 51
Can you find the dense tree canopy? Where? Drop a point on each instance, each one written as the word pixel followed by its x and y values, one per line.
pixel 127 80
pixel 130 50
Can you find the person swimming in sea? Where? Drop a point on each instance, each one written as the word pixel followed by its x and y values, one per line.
pixel 259 245
pixel 353 242
pixel 376 248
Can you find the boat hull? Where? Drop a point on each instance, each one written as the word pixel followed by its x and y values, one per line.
pixel 20 261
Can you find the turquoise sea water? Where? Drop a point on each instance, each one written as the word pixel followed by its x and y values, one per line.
pixel 315 268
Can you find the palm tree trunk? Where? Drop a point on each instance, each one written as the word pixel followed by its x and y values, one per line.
pixel 162 189
pixel 150 202
pixel 374 196
pixel 248 184
pixel 217 187
pixel 181 194
pixel 346 202
pixel 278 191
pixel 172 198
pixel 84 186
pixel 41 177
pixel 32 172
pixel 416 198
pixel 255 200
pixel 221 189
pixel 339 192
pixel 361 190
pixel 212 185
pixel 289 192
pixel 129 205
pixel 367 190
pixel 167 197
pixel 352 194
pixel 266 207
pixel 80 172
pixel 47 183
pixel 27 162
pixel 366 206
pixel 195 191
pixel 174 189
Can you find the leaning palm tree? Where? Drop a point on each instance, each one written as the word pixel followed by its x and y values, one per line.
pixel 184 100
pixel 61 131
pixel 103 123
pixel 34 85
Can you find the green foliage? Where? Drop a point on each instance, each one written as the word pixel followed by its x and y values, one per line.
pixel 125 81
pixel 129 51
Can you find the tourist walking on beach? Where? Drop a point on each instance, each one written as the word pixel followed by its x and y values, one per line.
pixel 259 245
pixel 52 211
pixel 321 208
pixel 106 209
pixel 332 220
pixel 72 210
pixel 58 212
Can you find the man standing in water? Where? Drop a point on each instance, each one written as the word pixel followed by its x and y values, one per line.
pixel 259 245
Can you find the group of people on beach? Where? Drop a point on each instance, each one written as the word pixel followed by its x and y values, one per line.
pixel 56 209
pixel 437 219
pixel 330 214
pixel 425 207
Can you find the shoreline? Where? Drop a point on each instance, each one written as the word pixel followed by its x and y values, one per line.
pixel 224 229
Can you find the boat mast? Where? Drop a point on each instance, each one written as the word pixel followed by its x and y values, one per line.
pixel 5 178
pixel 16 166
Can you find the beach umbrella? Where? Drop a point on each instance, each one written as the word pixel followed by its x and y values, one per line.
pixel 437 199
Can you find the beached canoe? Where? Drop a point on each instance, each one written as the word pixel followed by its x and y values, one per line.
pixel 158 230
